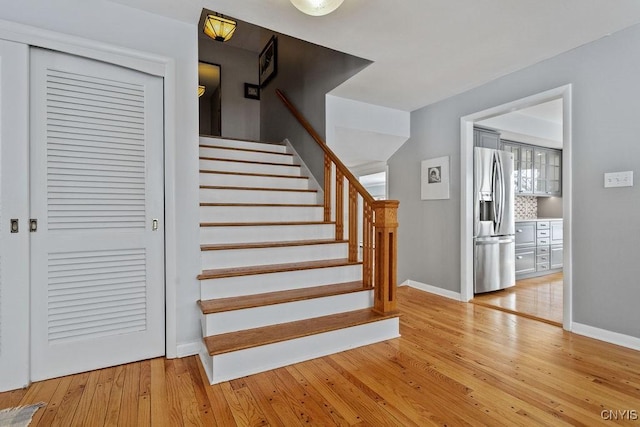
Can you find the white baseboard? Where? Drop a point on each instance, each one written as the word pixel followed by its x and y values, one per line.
pixel 433 290
pixel 188 349
pixel 607 336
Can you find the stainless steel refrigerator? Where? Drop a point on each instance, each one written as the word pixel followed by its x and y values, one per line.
pixel 494 222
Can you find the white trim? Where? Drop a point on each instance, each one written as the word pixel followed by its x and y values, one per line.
pixel 433 290
pixel 188 349
pixel 466 175
pixel 607 336
pixel 148 63
pixel 305 171
pixel 125 57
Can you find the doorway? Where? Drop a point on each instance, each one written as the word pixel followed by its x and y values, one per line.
pixel 564 95
pixel 210 98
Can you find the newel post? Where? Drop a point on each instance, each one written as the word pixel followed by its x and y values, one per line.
pixel 386 253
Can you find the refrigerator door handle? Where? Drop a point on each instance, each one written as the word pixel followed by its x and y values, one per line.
pixel 502 188
pixel 494 178
pixel 497 193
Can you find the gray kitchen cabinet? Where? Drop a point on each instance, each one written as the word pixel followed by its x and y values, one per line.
pixel 538 247
pixel 557 257
pixel 525 260
pixel 554 174
pixel 537 170
pixel 556 233
pixel 487 138
pixel 525 234
pixel 540 166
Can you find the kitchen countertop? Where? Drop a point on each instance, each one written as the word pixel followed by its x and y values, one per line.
pixel 537 219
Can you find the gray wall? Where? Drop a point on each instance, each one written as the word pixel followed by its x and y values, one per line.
pixel 306 73
pixel 240 115
pixel 606 104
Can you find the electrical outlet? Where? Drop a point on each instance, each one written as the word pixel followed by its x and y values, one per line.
pixel 618 179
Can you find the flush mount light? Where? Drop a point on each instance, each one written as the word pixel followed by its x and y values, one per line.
pixel 316 7
pixel 219 28
pixel 201 90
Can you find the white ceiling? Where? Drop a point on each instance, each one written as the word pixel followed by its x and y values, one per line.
pixel 540 124
pixel 427 50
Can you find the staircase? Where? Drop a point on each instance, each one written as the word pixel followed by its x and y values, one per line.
pixel 276 286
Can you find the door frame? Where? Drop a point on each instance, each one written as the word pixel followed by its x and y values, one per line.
pixel 466 206
pixel 145 62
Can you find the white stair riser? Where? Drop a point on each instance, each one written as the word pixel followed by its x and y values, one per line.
pixel 217 195
pixel 260 213
pixel 231 180
pixel 275 255
pixel 253 156
pixel 245 145
pixel 237 320
pixel 271 282
pixel 224 166
pixel 229 366
pixel 266 233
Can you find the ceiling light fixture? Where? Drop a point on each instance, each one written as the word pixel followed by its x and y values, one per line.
pixel 219 28
pixel 201 90
pixel 317 7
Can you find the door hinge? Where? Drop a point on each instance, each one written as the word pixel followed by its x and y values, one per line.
pixel 33 225
pixel 154 225
pixel 15 227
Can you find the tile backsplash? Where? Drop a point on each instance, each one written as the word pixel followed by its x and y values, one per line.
pixel 526 207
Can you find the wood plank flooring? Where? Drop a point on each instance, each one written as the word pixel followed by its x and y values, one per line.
pixel 538 298
pixel 456 364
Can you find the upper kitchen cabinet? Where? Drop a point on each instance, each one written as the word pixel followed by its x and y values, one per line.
pixel 487 138
pixel 537 170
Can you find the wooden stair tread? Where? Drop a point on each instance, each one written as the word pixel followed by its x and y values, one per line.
pixel 234 341
pixel 221 187
pixel 266 175
pixel 274 268
pixel 279 297
pixel 253 162
pixel 251 150
pixel 259 245
pixel 261 224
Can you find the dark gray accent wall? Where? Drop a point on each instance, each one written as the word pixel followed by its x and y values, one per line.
pixel 606 137
pixel 240 115
pixel 306 73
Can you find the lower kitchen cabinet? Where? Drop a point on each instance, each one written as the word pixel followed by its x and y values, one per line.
pixel 538 247
pixel 525 260
pixel 557 256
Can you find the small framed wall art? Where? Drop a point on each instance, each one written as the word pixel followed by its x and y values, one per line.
pixel 434 175
pixel 251 91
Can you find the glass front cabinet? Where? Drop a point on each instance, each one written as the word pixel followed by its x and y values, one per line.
pixel 537 170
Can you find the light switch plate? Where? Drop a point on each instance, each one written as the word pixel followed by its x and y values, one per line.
pixel 618 179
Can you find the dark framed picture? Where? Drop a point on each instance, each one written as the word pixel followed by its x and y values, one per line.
pixel 268 62
pixel 251 91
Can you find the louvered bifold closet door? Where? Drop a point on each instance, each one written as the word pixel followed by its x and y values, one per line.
pixel 97 193
pixel 14 205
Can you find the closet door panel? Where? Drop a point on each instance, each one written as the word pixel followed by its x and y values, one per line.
pixel 14 206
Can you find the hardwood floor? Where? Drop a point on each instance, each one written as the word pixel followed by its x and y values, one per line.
pixel 455 364
pixel 538 298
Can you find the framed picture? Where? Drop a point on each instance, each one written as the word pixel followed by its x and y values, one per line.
pixel 434 175
pixel 251 91
pixel 268 62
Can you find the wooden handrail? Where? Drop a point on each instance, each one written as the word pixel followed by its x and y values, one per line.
pixel 339 165
pixel 379 222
